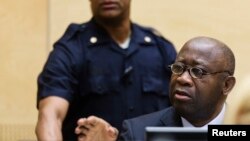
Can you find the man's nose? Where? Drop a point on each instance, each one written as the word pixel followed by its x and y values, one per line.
pixel 185 78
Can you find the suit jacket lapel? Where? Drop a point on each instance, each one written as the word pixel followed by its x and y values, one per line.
pixel 171 118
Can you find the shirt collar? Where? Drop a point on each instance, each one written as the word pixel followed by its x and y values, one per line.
pixel 217 120
pixel 99 35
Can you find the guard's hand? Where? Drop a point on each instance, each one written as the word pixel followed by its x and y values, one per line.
pixel 95 129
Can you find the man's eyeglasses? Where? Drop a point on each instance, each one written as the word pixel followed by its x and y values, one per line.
pixel 194 72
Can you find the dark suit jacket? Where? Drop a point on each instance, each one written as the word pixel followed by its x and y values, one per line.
pixel 134 129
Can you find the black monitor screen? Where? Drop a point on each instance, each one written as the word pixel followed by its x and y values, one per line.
pixel 175 134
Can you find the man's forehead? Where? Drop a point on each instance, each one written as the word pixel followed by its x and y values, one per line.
pixel 201 56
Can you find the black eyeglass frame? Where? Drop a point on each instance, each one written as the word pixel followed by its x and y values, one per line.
pixel 192 74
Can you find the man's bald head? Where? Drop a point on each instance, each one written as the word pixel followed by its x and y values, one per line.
pixel 227 56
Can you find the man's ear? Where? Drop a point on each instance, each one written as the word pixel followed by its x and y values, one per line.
pixel 228 84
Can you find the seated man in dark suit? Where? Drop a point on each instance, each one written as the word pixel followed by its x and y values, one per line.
pixel 201 81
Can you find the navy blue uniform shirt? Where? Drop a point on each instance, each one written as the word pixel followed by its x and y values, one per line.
pixel 97 77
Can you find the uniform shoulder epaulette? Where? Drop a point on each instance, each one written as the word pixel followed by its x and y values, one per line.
pixel 152 31
pixel 157 34
pixel 72 29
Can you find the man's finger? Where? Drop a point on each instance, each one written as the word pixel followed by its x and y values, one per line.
pixel 113 132
pixel 82 130
pixel 81 137
pixel 92 120
pixel 81 121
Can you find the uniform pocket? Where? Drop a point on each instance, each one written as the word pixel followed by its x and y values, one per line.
pixel 103 85
pixel 154 85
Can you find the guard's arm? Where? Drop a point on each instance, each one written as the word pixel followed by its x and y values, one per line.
pixel 52 111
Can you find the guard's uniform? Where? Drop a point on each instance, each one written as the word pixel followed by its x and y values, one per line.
pixel 97 77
